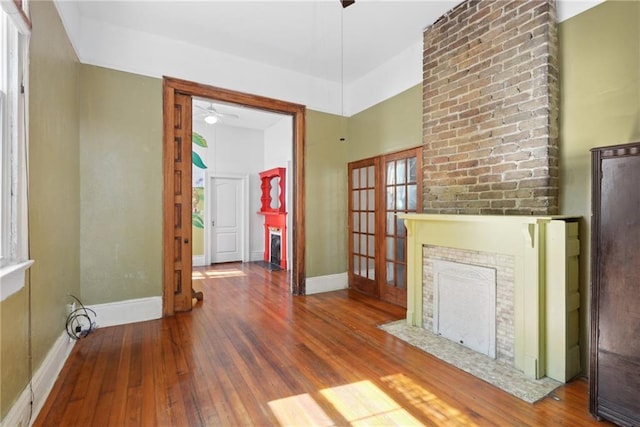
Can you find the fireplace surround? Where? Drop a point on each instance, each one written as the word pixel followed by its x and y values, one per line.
pixel 546 300
pixel 273 208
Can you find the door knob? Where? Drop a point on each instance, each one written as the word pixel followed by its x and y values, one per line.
pixel 186 241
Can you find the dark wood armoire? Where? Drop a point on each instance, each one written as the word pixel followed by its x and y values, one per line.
pixel 615 284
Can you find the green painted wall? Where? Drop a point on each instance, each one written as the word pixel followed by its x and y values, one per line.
pixel 600 105
pixel 14 370
pixel 127 262
pixel 113 270
pixel 326 194
pixel 121 185
pixel 392 125
pixel 54 204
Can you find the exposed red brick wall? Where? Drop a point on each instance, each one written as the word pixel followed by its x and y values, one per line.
pixel 491 100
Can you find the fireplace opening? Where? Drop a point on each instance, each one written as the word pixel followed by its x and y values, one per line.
pixel 464 305
pixel 274 251
pixel 498 304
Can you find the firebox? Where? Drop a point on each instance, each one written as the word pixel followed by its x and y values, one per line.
pixel 274 248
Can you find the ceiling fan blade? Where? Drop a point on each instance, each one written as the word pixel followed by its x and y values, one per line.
pixel 347 3
pixel 211 111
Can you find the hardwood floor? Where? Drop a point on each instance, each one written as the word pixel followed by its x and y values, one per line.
pixel 253 354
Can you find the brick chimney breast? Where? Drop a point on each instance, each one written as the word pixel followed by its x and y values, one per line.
pixel 490 109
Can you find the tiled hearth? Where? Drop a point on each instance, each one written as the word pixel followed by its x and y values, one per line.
pixel 500 374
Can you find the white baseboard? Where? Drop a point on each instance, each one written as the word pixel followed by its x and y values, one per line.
pixel 328 283
pixel 129 311
pixel 257 256
pixel 198 261
pixel 43 381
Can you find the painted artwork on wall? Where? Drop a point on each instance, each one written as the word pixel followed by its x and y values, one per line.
pixel 197 194
pixel 198 174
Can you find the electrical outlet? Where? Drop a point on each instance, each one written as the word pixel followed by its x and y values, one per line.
pixel 71 308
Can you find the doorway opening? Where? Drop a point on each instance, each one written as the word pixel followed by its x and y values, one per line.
pixel 177 205
pixel 231 143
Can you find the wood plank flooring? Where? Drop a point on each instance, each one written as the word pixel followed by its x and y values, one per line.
pixel 252 354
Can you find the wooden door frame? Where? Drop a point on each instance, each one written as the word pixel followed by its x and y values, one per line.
pixel 171 86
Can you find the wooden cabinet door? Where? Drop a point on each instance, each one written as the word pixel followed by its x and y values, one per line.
pixel 615 297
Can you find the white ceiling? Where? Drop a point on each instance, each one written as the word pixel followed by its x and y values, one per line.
pixel 311 52
pixel 248 118
pixel 318 38
pixel 302 36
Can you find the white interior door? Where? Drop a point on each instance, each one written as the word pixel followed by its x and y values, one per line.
pixel 226 220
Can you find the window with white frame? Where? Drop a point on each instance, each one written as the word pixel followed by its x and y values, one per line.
pixel 14 42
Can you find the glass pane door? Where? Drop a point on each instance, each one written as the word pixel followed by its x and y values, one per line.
pixel 362 226
pixel 402 193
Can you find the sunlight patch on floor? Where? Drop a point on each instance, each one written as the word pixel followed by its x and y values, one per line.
pixel 212 274
pixel 363 404
pixel 360 404
pixel 232 272
pixel 300 410
pixel 427 402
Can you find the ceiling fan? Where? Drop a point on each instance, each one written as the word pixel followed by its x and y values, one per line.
pixel 211 115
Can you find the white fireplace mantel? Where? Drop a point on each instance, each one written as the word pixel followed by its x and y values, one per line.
pixel 544 300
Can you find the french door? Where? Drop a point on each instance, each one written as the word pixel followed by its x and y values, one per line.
pixel 363 205
pixel 402 194
pixel 379 189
